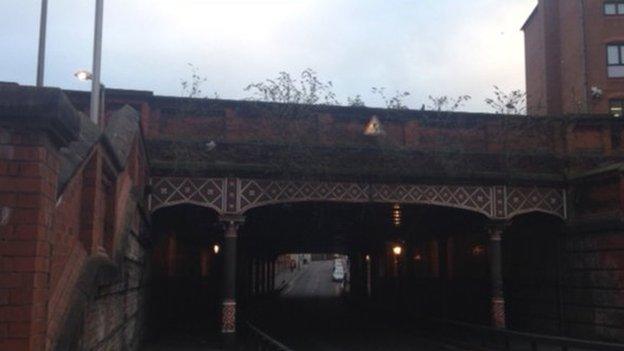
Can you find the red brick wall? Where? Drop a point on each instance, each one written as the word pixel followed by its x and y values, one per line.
pixel 112 318
pixel 594 281
pixel 419 132
pixel 565 48
pixel 52 235
pixel 593 260
pixel 68 255
pixel 29 166
pixel 602 30
pixel 572 88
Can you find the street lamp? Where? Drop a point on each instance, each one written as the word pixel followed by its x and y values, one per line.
pixel 84 75
pixel 397 250
pixel 216 248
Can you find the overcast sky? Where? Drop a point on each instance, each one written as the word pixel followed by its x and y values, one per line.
pixel 426 47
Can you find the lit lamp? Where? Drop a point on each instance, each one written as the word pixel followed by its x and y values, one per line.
pixel 216 248
pixel 478 250
pixel 84 75
pixel 367 258
pixel 397 250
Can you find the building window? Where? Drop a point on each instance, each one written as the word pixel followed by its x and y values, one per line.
pixel 616 107
pixel 615 60
pixel 614 8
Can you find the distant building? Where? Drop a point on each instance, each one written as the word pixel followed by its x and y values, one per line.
pixel 575 57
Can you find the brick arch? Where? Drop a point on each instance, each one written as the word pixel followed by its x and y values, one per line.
pixel 238 195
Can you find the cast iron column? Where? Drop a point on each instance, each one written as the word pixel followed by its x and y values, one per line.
pixel 263 276
pixel 256 276
pixel 443 264
pixel 495 230
pixel 228 323
pixel 267 275
pixel 272 283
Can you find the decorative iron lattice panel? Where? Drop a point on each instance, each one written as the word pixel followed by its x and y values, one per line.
pixel 475 198
pixel 234 195
pixel 527 199
pixel 199 191
pixel 255 193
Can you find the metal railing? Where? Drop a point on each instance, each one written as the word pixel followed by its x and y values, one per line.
pixel 256 339
pixel 488 338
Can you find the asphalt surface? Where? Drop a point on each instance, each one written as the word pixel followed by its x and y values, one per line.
pixel 311 315
pixel 314 281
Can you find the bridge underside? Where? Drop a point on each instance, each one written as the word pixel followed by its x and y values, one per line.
pixel 444 270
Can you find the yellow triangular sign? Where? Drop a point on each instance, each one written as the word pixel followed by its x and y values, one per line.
pixel 373 127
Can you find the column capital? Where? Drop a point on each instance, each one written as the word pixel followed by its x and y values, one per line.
pixel 495 228
pixel 232 219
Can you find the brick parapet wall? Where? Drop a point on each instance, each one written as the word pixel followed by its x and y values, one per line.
pixel 231 121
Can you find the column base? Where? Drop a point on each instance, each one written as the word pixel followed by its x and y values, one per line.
pixel 228 320
pixel 498 312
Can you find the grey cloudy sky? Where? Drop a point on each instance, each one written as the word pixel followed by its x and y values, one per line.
pixel 426 47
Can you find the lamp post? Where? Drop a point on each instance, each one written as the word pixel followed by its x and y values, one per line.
pixel 368 275
pixel 42 41
pixel 397 250
pixel 97 60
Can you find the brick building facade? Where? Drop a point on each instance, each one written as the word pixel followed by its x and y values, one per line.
pixel 575 57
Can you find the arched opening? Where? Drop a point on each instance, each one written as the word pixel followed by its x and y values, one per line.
pixel 447 266
pixel 531 272
pixel 405 263
pixel 186 274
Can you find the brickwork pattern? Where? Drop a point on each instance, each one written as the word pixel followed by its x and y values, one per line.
pixel 114 319
pixel 28 170
pixel 594 285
